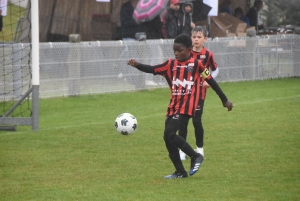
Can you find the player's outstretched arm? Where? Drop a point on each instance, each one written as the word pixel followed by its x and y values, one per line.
pixel 142 67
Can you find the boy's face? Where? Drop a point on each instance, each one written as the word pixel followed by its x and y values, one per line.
pixel 181 52
pixel 198 39
pixel 187 8
pixel 175 6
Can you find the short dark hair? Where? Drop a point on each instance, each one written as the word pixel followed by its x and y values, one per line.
pixel 200 29
pixel 238 11
pixel 184 39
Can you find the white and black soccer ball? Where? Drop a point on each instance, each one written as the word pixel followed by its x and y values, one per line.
pixel 126 123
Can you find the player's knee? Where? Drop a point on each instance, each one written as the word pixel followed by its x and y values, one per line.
pixel 172 136
pixel 182 130
pixel 169 135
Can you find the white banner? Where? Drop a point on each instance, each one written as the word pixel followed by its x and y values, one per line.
pixel 103 0
pixel 3 7
pixel 214 7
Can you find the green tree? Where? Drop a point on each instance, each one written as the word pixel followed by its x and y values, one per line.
pixel 292 13
pixel 281 12
pixel 273 15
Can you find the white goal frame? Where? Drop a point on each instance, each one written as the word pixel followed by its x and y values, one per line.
pixel 9 123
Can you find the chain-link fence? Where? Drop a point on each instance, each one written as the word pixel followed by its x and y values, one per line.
pixel 96 67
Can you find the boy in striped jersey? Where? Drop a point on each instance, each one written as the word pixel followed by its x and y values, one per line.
pixel 199 37
pixel 183 77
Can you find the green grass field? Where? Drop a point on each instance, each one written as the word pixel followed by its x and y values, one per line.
pixel 251 153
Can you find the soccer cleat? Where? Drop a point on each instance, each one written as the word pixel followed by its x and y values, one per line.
pixel 195 164
pixel 200 150
pixel 176 175
pixel 182 155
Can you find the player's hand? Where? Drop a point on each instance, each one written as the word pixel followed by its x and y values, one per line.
pixel 206 85
pixel 228 104
pixel 132 62
pixel 193 25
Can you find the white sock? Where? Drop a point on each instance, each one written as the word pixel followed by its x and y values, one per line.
pixel 200 150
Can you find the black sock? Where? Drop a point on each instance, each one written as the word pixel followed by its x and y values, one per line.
pixel 184 146
pixel 175 158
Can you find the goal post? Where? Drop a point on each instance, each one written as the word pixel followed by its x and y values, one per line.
pixel 35 63
pixel 19 65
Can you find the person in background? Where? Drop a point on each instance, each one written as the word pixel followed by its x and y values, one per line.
pixel 129 26
pixel 171 20
pixel 182 73
pixel 147 30
pixel 238 13
pixel 1 20
pixel 253 14
pixel 198 51
pixel 153 31
pixel 152 28
pixel 225 7
pixel 187 22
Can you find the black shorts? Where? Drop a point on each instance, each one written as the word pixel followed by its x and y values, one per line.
pixel 173 123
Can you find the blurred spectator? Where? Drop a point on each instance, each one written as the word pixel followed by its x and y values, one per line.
pixel 171 20
pixel 153 28
pixel 128 24
pixel 1 22
pixel 238 13
pixel 253 14
pixel 153 31
pixel 187 21
pixel 225 7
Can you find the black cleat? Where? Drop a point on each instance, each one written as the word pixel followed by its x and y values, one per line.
pixel 195 164
pixel 176 175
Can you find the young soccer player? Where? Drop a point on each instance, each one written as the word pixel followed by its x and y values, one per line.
pixel 199 37
pixel 183 77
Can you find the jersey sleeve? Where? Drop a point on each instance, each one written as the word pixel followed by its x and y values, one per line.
pixel 215 73
pixel 145 68
pixel 204 71
pixel 163 68
pixel 214 85
pixel 212 63
pixel 156 69
pixel 200 65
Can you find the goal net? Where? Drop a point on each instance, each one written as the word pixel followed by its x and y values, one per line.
pixel 16 88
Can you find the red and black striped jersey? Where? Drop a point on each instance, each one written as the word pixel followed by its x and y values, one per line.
pixel 208 60
pixel 183 79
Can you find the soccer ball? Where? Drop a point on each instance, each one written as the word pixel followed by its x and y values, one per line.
pixel 126 123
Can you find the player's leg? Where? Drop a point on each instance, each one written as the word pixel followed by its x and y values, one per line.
pixel 174 141
pixel 183 129
pixel 199 130
pixel 173 153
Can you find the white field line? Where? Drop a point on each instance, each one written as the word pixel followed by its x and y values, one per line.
pixel 143 117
